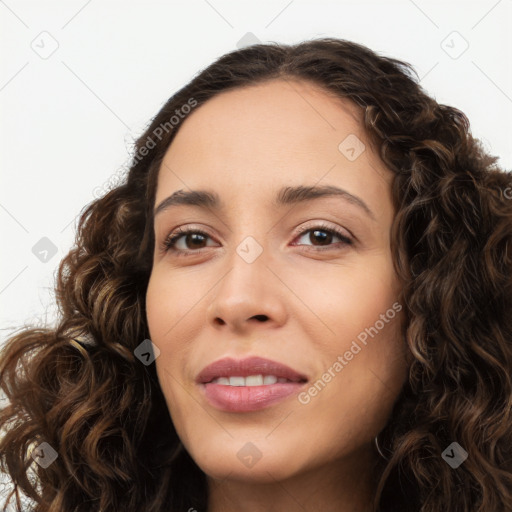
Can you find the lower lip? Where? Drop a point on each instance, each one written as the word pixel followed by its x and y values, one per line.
pixel 248 398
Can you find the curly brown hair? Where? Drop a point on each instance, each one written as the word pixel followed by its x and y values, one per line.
pixel 451 240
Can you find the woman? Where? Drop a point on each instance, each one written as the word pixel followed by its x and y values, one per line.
pixel 299 300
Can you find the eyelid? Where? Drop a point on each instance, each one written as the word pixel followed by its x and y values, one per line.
pixel 322 224
pixel 169 242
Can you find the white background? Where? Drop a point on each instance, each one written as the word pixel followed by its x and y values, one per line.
pixel 67 118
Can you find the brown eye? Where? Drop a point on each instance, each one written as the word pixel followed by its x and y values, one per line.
pixel 192 239
pixel 321 236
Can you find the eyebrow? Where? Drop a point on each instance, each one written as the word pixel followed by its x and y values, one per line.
pixel 286 196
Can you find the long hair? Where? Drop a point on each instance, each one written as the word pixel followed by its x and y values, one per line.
pixel 103 411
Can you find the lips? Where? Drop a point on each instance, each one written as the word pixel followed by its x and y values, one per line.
pixel 248 385
pixel 228 367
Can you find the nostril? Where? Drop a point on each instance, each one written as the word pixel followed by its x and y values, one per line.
pixel 262 318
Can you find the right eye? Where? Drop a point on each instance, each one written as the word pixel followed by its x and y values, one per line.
pixel 193 236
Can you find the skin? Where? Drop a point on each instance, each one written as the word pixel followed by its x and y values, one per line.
pixel 245 144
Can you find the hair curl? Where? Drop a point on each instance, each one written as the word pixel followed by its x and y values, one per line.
pixel 105 414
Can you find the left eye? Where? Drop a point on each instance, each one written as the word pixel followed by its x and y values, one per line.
pixel 325 235
pixel 196 238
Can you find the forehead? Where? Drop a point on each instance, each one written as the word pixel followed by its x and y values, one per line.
pixel 260 137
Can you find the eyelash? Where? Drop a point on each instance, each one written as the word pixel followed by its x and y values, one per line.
pixel 169 243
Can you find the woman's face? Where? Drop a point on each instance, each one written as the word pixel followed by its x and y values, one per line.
pixel 300 279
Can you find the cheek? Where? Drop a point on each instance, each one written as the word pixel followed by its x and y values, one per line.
pixel 155 300
pixel 346 300
pixel 173 351
pixel 167 302
pixel 163 315
pixel 361 318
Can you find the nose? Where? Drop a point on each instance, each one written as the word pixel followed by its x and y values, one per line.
pixel 248 296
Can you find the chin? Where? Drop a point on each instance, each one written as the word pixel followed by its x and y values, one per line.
pixel 241 461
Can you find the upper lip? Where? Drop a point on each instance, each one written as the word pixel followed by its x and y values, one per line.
pixel 227 367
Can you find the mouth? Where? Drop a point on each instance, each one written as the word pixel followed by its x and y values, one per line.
pixel 248 384
pixel 252 371
pixel 251 380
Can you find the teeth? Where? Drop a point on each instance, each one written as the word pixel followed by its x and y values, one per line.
pixel 254 380
pixel 269 379
pixel 236 381
pixel 251 380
